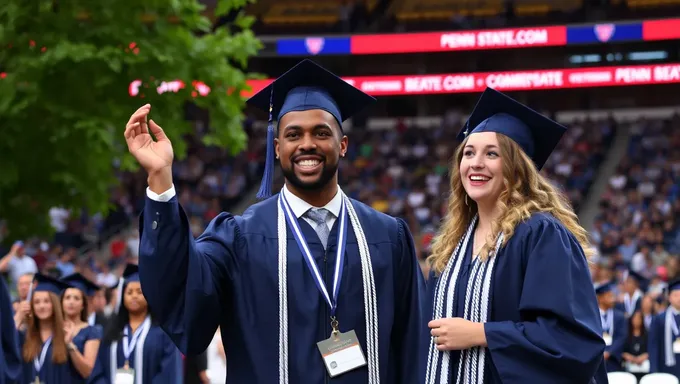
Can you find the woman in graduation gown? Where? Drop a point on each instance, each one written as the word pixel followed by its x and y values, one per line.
pixel 44 352
pixel 10 355
pixel 510 294
pixel 134 347
pixel 664 335
pixel 83 340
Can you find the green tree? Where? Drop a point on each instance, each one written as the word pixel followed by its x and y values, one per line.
pixel 64 101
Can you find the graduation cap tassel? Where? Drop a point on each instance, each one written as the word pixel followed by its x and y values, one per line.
pixel 268 176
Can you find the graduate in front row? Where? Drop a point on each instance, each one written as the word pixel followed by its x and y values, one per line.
pixel 10 354
pixel 632 293
pixel 135 348
pixel 614 327
pixel 664 335
pixel 83 339
pixel 299 275
pixel 44 348
pixel 510 295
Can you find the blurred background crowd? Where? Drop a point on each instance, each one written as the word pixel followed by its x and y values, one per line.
pixel 619 162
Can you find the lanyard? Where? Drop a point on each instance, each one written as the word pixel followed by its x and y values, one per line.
pixel 38 361
pixel 607 320
pixel 128 347
pixel 309 259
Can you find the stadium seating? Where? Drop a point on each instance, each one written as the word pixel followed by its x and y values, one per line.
pixel 310 12
pixel 640 207
pixel 415 10
pixel 651 3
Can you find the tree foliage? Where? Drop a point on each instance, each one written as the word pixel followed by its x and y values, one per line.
pixel 64 102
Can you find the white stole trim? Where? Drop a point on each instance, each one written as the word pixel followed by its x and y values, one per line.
pixel 471 364
pixel 669 336
pixel 629 302
pixel 139 354
pixel 370 297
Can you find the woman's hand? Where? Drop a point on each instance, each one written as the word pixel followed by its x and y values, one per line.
pixel 453 334
pixel 69 332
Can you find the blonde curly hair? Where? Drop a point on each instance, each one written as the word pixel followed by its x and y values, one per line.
pixel 526 192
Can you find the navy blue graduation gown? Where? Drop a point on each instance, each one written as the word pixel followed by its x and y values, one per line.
pixel 619 337
pixel 228 277
pixel 10 353
pixel 544 323
pixel 49 372
pixel 90 332
pixel 656 346
pixel 162 361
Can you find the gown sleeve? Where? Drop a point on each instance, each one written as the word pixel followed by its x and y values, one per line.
pixel 409 299
pixel 185 279
pixel 10 355
pixel 171 369
pixel 558 337
pixel 655 343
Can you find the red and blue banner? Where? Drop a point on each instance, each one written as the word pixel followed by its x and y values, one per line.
pixel 531 37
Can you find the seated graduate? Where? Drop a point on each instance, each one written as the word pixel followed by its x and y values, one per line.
pixel 664 335
pixel 135 348
pixel 83 340
pixel 510 292
pixel 631 300
pixel 43 340
pixel 10 355
pixel 297 274
pixel 635 353
pixel 614 327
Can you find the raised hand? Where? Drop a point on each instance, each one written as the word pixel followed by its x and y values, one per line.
pixel 69 332
pixel 152 155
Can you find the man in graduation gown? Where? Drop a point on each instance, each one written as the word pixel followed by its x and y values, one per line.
pixel 614 327
pixel 10 355
pixel 307 285
pixel 632 296
pixel 664 335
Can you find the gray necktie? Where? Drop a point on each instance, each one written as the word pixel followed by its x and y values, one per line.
pixel 318 216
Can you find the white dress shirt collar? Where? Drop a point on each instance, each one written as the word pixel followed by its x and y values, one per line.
pixel 300 207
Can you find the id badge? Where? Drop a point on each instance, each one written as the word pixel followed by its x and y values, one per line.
pixel 676 346
pixel 37 381
pixel 125 376
pixel 607 338
pixel 341 353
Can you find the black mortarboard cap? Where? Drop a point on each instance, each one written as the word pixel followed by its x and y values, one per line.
pixel 604 288
pixel 305 87
pixel 48 284
pixel 536 134
pixel 673 285
pixel 76 280
pixel 641 280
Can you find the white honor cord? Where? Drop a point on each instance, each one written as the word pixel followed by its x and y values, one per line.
pixel 608 321
pixel 129 346
pixel 283 296
pixel 370 299
pixel 38 361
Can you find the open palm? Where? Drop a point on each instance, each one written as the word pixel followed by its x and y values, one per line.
pixel 151 155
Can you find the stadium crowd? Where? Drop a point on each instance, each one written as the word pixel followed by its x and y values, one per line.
pixel 402 172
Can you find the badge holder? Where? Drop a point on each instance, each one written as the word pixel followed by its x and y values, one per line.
pixel 607 338
pixel 676 346
pixel 341 352
pixel 37 380
pixel 125 375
